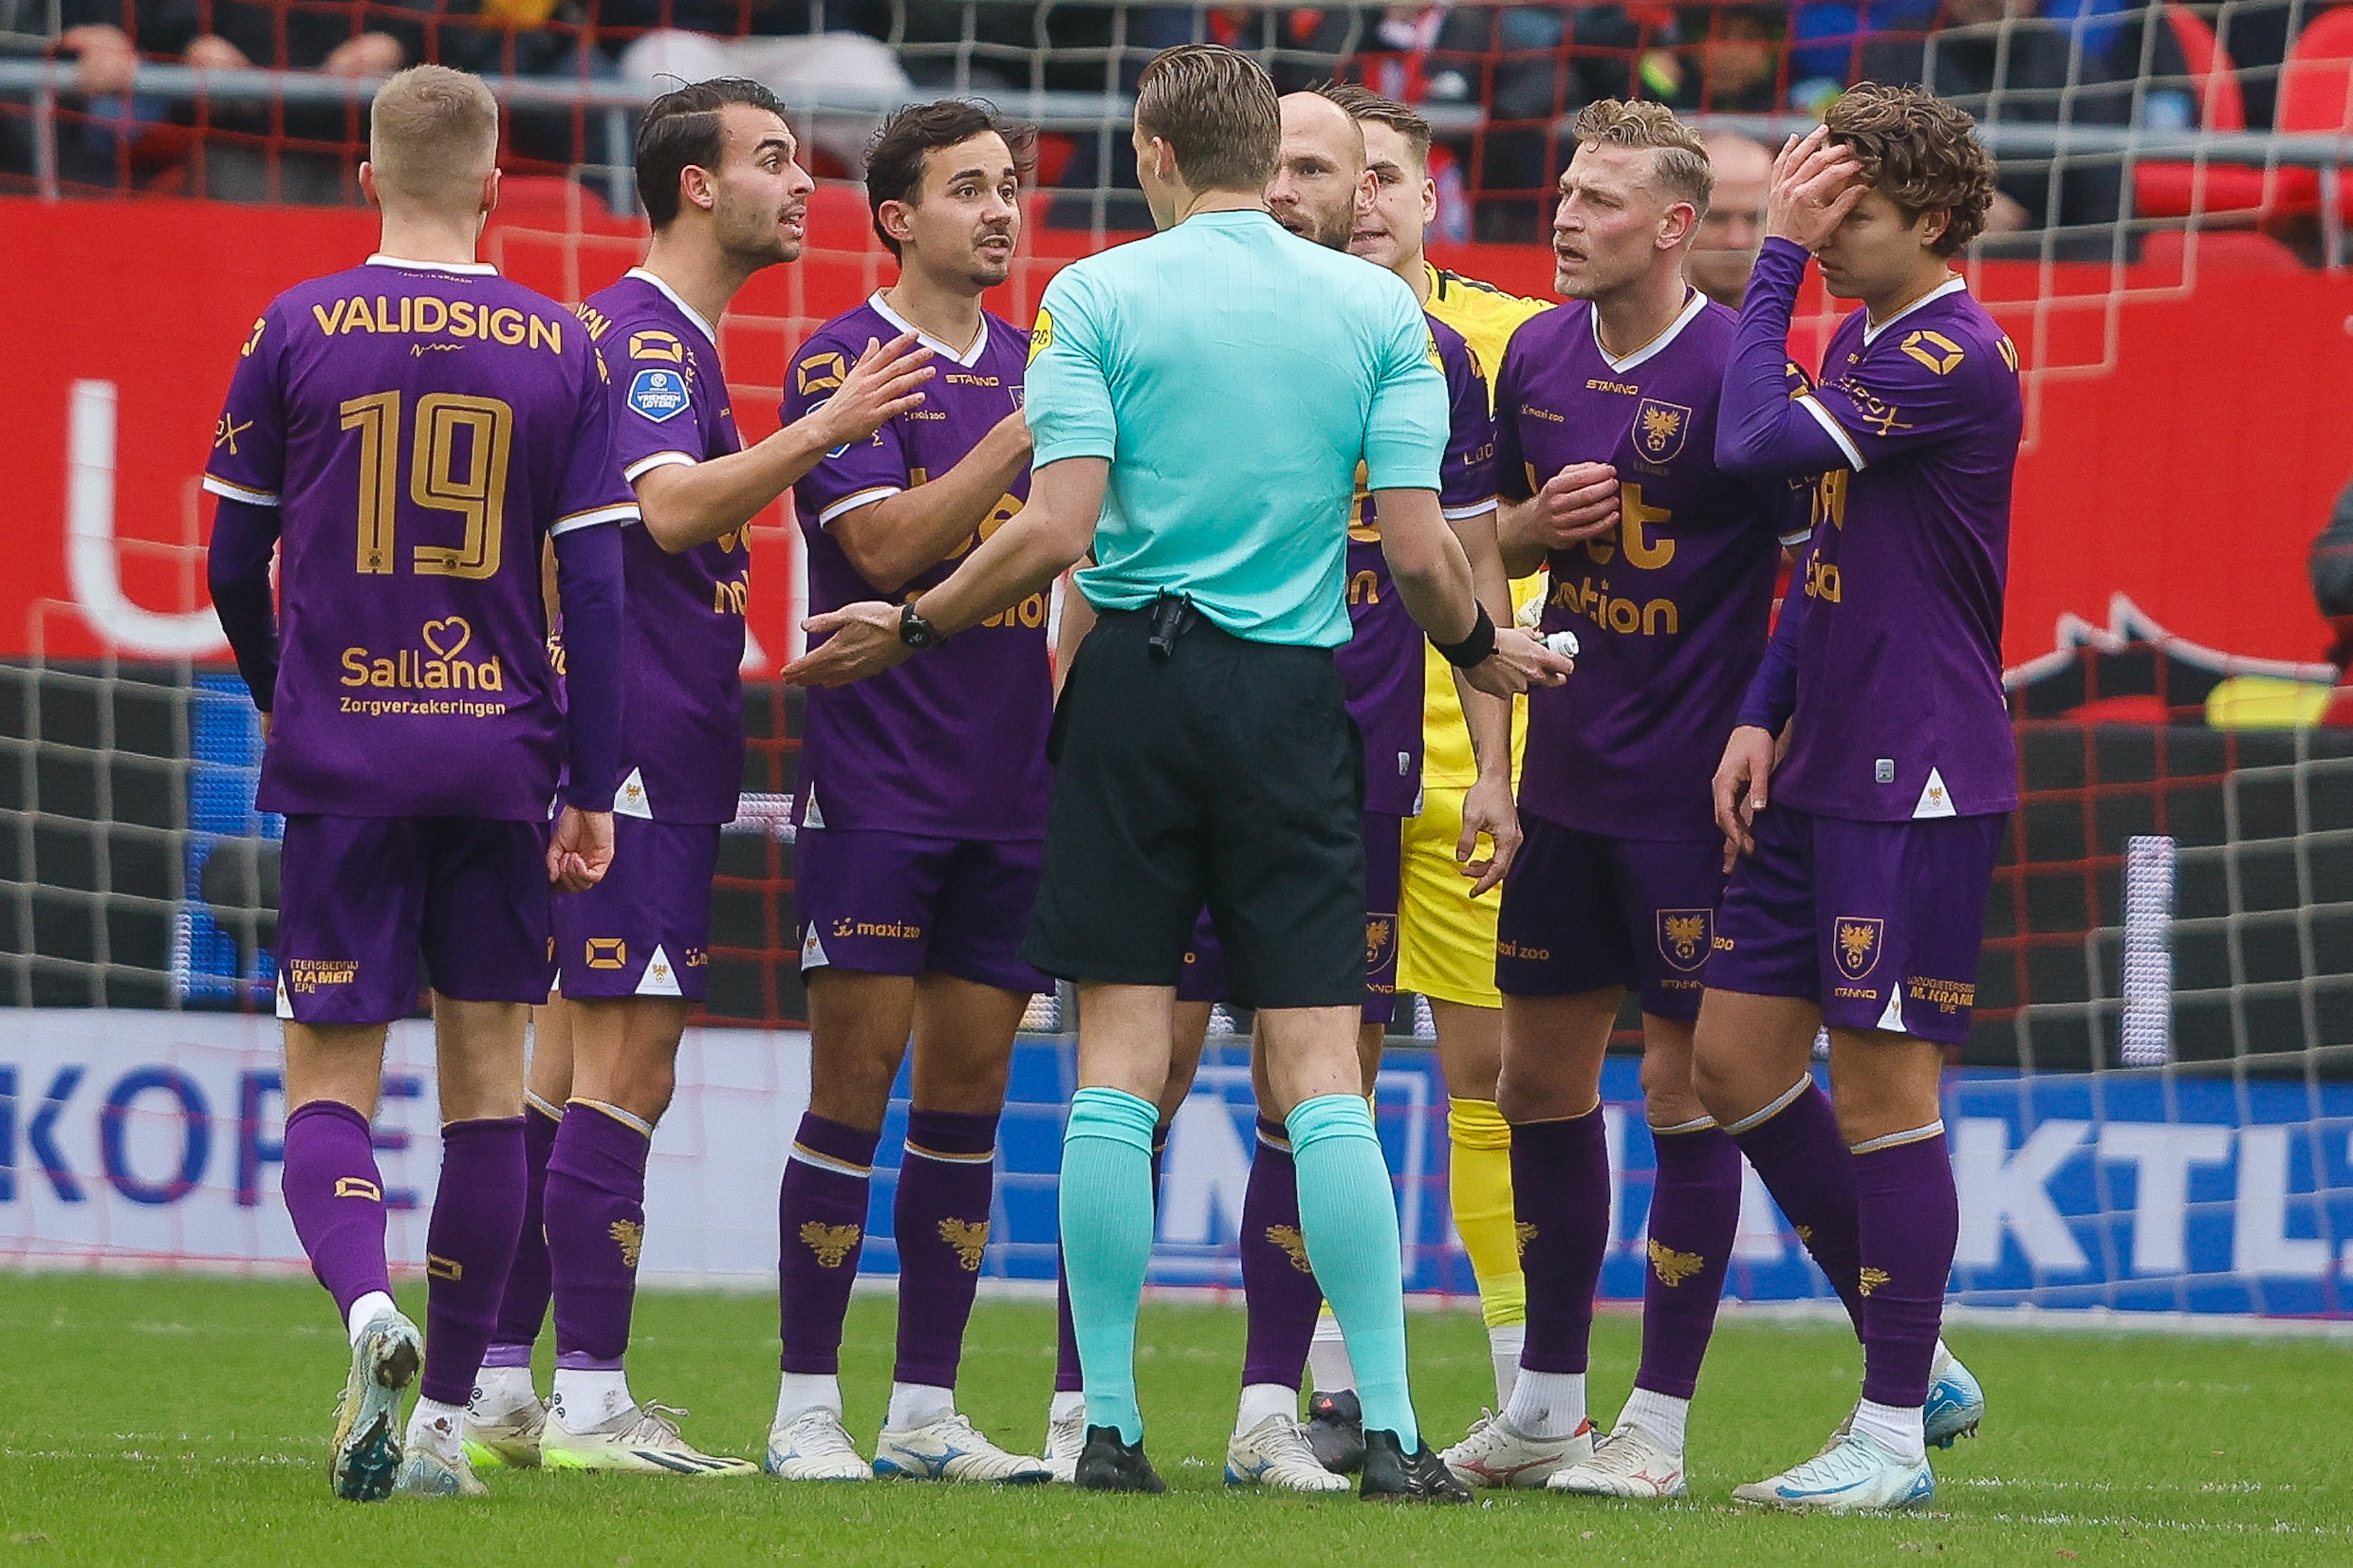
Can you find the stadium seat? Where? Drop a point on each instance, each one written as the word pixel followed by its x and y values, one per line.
pixel 2213 189
pixel 2165 254
pixel 549 198
pixel 2315 94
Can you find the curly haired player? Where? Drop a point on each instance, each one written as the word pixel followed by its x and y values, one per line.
pixel 1858 900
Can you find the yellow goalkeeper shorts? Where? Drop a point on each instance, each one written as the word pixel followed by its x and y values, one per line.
pixel 1446 947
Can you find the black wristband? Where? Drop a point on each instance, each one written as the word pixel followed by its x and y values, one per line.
pixel 1472 649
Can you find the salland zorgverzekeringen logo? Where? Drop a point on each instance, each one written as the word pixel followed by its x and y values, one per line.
pixel 436 665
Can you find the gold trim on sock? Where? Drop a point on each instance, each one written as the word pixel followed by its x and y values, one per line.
pixel 942 1155
pixel 807 1156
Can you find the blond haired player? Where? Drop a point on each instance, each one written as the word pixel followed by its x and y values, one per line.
pixel 1445 937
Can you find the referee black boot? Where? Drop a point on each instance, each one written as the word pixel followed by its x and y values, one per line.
pixel 1107 1464
pixel 1336 1431
pixel 1392 1475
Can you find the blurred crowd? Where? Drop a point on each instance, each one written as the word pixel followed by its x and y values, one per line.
pixel 1501 78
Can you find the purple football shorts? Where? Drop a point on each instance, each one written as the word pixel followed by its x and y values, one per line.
pixel 1584 912
pixel 1879 922
pixel 362 899
pixel 898 903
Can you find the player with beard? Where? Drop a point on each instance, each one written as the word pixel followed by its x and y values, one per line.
pixel 921 815
pixel 718 176
pixel 1446 934
pixel 1320 187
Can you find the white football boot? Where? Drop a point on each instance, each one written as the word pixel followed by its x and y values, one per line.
pixel 951 1449
pixel 642 1440
pixel 1857 1475
pixel 815 1447
pixel 1065 1440
pixel 508 1441
pixel 1275 1453
pixel 1627 1463
pixel 364 1456
pixel 1494 1455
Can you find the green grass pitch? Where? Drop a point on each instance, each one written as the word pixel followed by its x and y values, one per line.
pixel 180 1420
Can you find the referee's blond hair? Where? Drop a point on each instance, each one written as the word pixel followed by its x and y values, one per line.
pixel 433 137
pixel 1680 164
pixel 1217 111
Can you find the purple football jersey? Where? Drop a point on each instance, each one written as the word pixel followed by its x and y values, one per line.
pixel 1899 658
pixel 423 429
pixel 682 719
pixel 1670 612
pixel 1381 664
pixel 952 744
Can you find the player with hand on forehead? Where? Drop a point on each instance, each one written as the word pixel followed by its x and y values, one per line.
pixel 922 814
pixel 1859 896
pixel 720 182
pixel 418 729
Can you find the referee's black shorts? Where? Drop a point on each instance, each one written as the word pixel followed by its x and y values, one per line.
pixel 1228 775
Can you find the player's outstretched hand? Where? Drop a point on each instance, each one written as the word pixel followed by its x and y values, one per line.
pixel 1520 661
pixel 579 851
pixel 861 640
pixel 1816 182
pixel 1487 809
pixel 1740 789
pixel 1577 504
pixel 886 381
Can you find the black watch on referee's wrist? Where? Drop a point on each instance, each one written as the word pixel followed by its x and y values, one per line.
pixel 913 629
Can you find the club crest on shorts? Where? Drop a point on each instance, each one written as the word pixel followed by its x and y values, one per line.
pixel 1857 943
pixel 1684 938
pixel 1380 941
pixel 1660 428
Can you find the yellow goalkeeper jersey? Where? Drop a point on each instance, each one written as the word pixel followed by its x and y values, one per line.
pixel 1485 317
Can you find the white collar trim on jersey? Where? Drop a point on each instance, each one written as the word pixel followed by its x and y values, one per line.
pixel 968 358
pixel 1952 285
pixel 671 295
pixel 469 269
pixel 1658 345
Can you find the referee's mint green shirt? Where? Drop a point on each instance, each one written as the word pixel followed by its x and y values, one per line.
pixel 1235 376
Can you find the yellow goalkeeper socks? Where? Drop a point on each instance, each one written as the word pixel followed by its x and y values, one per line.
pixel 1479 1182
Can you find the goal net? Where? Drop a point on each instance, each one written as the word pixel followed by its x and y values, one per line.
pixel 2156 1108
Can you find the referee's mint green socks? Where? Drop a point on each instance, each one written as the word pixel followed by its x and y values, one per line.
pixel 1349 1221
pixel 1107 1243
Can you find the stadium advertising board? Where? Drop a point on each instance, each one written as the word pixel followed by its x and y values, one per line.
pixel 129 1138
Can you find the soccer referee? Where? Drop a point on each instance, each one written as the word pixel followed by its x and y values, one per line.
pixel 1201 402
